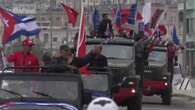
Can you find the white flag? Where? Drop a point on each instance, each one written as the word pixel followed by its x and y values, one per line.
pixel 147 12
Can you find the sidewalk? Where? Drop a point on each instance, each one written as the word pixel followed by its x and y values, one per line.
pixel 188 93
pixel 182 93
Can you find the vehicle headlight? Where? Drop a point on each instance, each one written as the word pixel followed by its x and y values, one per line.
pixel 133 90
pixel 131 83
pixel 166 84
pixel 164 77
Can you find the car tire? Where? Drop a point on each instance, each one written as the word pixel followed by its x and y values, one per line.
pixel 166 97
pixel 137 104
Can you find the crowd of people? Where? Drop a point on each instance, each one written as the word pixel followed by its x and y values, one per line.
pixel 27 61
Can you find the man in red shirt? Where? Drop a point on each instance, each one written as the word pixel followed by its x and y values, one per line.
pixel 25 58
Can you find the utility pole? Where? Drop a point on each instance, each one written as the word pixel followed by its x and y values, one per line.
pixel 51 24
pixel 184 38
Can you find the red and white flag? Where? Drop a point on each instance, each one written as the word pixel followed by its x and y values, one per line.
pixel 81 47
pixel 71 14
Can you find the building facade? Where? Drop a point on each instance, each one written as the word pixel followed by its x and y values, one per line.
pixel 189 32
pixel 51 18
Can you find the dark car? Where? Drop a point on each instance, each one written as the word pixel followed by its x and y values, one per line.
pixel 157 79
pixel 19 91
pixel 126 86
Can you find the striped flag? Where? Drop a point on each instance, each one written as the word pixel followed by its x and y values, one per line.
pixel 133 12
pixel 117 17
pixel 156 16
pixel 15 26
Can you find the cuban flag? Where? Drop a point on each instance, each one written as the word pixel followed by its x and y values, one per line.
pixel 15 26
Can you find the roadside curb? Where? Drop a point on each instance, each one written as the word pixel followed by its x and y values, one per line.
pixel 183 95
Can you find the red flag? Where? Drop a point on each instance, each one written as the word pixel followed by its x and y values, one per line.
pixel 162 29
pixel 71 14
pixel 81 47
pixel 156 17
pixel 139 16
pixel 9 24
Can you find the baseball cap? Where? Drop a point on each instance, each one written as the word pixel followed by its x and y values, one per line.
pixel 27 42
pixel 102 103
pixel 64 47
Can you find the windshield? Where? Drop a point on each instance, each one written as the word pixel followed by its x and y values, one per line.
pixel 157 56
pixel 96 82
pixel 115 51
pixel 56 89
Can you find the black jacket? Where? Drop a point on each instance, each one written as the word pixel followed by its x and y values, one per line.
pixel 99 61
pixel 103 27
pixel 59 64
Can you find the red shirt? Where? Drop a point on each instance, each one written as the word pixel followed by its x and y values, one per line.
pixel 21 60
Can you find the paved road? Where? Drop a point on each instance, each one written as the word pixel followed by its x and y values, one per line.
pixel 179 103
pixel 193 82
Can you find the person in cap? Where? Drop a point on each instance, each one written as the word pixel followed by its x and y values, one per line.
pixel 67 59
pixel 102 103
pixel 25 58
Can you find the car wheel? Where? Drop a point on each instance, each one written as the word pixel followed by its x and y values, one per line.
pixel 137 104
pixel 166 97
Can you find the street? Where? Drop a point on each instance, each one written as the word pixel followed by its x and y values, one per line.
pixel 178 103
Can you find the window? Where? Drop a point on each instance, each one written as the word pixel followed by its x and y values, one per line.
pixel 39 24
pixel 188 26
pixel 46 37
pixel 45 24
pixel 181 16
pixel 58 18
pixel 42 18
pixel 55 39
pixel 191 26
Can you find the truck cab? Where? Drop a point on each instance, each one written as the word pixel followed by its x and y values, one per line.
pixel 120 53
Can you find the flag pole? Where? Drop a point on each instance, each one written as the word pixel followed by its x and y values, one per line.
pixel 184 40
pixel 51 26
pixel 80 26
